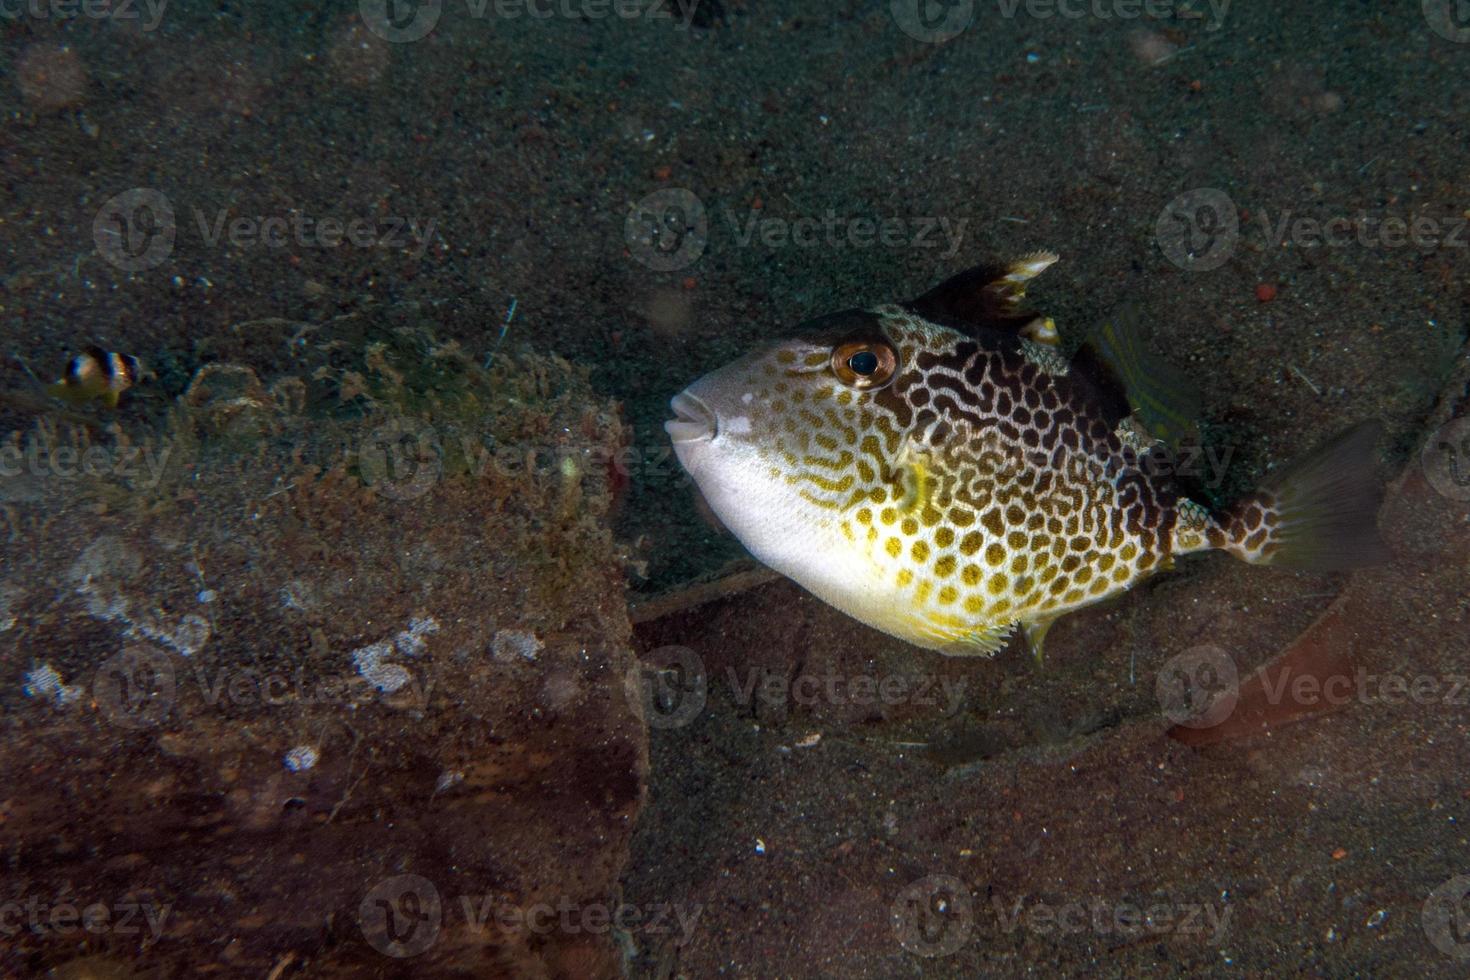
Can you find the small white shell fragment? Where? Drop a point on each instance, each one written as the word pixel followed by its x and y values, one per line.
pixel 510 644
pixel 301 758
pixel 388 677
pixel 45 682
pixel 410 642
pixel 448 778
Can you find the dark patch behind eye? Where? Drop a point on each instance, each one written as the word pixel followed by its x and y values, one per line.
pixel 837 328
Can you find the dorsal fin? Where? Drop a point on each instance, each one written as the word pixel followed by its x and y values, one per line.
pixel 987 295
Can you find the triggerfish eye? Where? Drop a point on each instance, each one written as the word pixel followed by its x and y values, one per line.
pixel 864 364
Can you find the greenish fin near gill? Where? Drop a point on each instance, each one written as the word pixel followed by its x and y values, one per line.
pixel 1162 397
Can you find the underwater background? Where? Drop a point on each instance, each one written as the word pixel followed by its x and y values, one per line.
pixel 377 632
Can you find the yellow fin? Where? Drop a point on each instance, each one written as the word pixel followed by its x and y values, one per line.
pixel 983 642
pixel 1035 634
pixel 79 393
pixel 915 477
pixel 1042 330
pixel 1029 266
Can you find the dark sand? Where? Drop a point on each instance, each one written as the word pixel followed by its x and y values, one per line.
pixel 527 142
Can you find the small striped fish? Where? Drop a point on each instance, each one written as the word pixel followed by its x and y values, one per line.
pixel 940 471
pixel 96 373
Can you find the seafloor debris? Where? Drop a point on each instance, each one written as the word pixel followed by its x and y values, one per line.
pixel 45 682
pixel 369 509
pixel 301 758
pixel 511 645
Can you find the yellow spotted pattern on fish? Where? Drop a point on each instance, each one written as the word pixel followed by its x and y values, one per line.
pixel 941 472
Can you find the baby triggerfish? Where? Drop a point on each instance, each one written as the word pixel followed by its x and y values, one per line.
pixel 940 471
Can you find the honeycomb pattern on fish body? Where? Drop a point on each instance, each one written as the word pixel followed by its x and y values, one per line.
pixel 986 488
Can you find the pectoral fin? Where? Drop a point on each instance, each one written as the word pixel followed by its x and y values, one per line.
pixel 916 478
pixel 1162 398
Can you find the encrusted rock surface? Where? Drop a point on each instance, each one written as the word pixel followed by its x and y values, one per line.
pixel 259 638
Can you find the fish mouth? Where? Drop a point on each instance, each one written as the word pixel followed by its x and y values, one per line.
pixel 695 422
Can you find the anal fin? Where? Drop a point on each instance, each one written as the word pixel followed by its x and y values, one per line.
pixel 983 642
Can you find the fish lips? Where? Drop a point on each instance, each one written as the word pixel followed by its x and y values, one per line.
pixel 695 421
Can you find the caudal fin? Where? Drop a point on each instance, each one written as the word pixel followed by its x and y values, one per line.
pixel 1318 512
